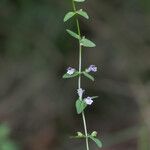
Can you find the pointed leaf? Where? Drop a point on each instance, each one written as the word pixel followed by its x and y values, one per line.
pixel 73 34
pixel 97 141
pixel 68 16
pixel 88 76
pixel 82 13
pixel 87 43
pixel 65 76
pixel 76 137
pixel 78 0
pixel 93 97
pixel 80 106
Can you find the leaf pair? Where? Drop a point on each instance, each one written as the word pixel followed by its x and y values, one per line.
pixel 93 138
pixel 83 41
pixel 75 74
pixel 71 14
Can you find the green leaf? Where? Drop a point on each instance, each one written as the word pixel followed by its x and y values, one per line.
pixel 80 106
pixel 82 13
pixel 88 76
pixel 78 136
pixel 93 97
pixel 73 34
pixel 97 141
pixel 87 43
pixel 68 16
pixel 66 76
pixel 78 0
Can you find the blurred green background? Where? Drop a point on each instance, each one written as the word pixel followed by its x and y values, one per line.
pixel 37 106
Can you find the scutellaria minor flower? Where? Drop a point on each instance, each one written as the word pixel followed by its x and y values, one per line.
pixel 91 68
pixel 88 100
pixel 70 70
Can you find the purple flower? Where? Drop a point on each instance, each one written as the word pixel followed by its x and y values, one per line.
pixel 80 92
pixel 70 70
pixel 88 100
pixel 92 68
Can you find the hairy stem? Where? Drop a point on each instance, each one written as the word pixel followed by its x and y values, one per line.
pixel 79 79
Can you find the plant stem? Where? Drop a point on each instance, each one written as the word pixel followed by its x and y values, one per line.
pixel 79 79
pixel 85 128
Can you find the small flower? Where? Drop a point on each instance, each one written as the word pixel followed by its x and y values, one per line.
pixel 88 100
pixel 80 92
pixel 92 68
pixel 70 70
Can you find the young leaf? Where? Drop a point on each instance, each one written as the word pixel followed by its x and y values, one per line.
pixel 88 76
pixel 97 141
pixel 78 0
pixel 80 106
pixel 73 34
pixel 82 13
pixel 65 76
pixel 87 43
pixel 68 16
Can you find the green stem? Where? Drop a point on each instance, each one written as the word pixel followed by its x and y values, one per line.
pixel 79 79
pixel 85 130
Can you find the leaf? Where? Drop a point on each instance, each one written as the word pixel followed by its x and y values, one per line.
pixel 80 106
pixel 88 76
pixel 65 76
pixel 68 16
pixel 97 141
pixel 76 137
pixel 73 34
pixel 78 0
pixel 82 13
pixel 93 97
pixel 87 43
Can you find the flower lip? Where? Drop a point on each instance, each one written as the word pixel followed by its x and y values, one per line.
pixel 91 68
pixel 70 70
pixel 88 100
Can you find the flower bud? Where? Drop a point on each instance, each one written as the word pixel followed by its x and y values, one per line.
pixel 94 134
pixel 79 134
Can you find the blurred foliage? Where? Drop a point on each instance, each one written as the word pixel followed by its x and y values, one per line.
pixel 146 5
pixel 5 142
